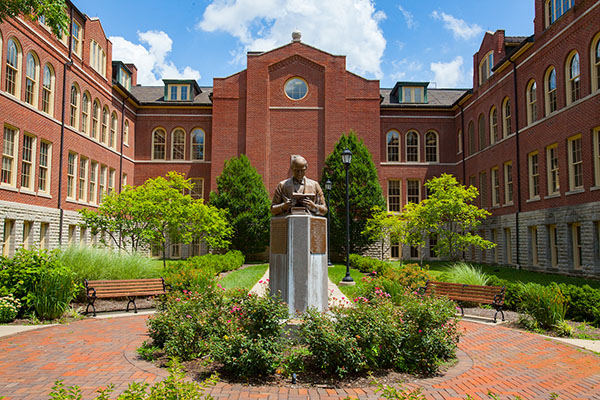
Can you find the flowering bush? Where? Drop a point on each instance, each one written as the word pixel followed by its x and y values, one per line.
pixel 9 308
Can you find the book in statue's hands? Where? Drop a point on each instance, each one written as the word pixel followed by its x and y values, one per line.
pixel 297 198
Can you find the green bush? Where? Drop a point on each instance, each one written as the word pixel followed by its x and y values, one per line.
pixel 467 274
pixel 9 308
pixel 368 264
pixel 93 263
pixel 53 293
pixel 410 276
pixel 584 303
pixel 545 304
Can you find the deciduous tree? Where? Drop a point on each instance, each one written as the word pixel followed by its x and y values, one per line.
pixel 54 12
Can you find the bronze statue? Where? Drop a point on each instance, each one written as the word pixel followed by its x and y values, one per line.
pixel 298 193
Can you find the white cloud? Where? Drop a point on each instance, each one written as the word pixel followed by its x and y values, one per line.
pixel 408 17
pixel 460 29
pixel 450 74
pixel 150 58
pixel 349 27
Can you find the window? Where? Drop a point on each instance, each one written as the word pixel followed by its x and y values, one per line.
pixel 102 183
pixel 111 180
pixel 534 244
pixel 159 142
pixel 554 9
pixel 85 113
pixel 460 141
pixel 173 92
pixel 411 94
pixel 412 147
pixel 95 119
pixel 573 78
pixel 104 132
pixel 393 146
pixel 395 251
pixel 113 130
pixel 471 138
pixel 483 191
pixel 156 250
pixel 552 169
pixel 82 235
pixel 126 133
pixel 195 248
pixel 31 79
pixel 296 88
pixel 124 78
pixel 8 156
pixel 575 163
pixel 27 228
pixel 93 181
pixel 72 231
pixel 481 123
pixel 76 35
pixel 576 244
pixel 197 144
pixel 415 252
pixel 431 147
pixel 531 102
pixel 197 191
pixel 413 191
pixel 48 90
pixel 485 67
pixel 473 181
pixel 13 66
pixel 550 85
pixel 7 237
pixel 553 245
pixel 44 168
pixel 534 176
pixel 124 180
pixel 97 58
pixel 495 187
pixel 83 163
pixel 506 125
pixel 394 199
pixel 507 246
pixel 596 153
pixel 494 125
pixel 508 183
pixel 495 249
pixel 595 64
pixel 74 105
pixel 176 250
pixel 71 165
pixel 178 144
pixel 433 241
pixel 28 162
pixel 44 235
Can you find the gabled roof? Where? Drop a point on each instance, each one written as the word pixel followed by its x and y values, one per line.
pixel 155 95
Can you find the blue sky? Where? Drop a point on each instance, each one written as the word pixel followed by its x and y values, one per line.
pixel 431 41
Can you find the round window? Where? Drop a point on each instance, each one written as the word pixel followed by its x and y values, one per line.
pixel 296 88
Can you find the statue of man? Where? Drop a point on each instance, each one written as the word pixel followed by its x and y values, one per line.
pixel 292 188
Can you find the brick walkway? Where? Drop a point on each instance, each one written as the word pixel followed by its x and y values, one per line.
pixel 93 352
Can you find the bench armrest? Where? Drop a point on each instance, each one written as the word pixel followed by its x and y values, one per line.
pixel 421 290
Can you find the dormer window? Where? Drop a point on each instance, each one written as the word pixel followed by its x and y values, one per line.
pixel 554 9
pixel 180 90
pixel 485 67
pixel 410 92
pixel 122 74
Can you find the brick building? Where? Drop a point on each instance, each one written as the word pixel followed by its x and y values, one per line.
pixel 76 125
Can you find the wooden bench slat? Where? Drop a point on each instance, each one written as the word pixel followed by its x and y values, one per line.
pixel 130 288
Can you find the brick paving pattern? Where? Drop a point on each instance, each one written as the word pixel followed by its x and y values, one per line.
pixel 93 352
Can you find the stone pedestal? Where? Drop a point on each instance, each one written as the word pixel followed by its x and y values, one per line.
pixel 298 261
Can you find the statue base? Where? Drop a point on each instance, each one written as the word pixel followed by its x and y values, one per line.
pixel 298 262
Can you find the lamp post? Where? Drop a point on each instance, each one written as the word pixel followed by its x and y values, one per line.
pixel 328 185
pixel 346 160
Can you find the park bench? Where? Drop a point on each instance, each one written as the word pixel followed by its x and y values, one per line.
pixel 461 293
pixel 130 288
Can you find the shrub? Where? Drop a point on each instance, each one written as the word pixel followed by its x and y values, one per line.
pixel 545 304
pixel 584 303
pixel 467 274
pixel 9 308
pixel 410 276
pixel 368 264
pixel 53 293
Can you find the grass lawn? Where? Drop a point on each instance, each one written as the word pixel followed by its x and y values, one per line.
pixel 338 271
pixel 244 278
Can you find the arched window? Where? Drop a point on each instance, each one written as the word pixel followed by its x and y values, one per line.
pixel 573 78
pixel 485 67
pixel 113 130
pixel 48 90
pixel 460 141
pixel 550 90
pixel 471 138
pixel 531 102
pixel 126 133
pixel 595 55
pixel 85 113
pixel 412 146
pixel 159 144
pixel 74 105
pixel 95 119
pixel 393 146
pixel 31 79
pixel 104 131
pixel 178 144
pixel 13 61
pixel 431 147
pixel 494 134
pixel 481 130
pixel 506 124
pixel 197 144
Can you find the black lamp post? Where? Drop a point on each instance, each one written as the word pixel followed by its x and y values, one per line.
pixel 346 160
pixel 328 185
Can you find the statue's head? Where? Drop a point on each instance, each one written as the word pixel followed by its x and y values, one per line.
pixel 299 165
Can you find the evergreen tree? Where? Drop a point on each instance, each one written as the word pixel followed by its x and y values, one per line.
pixel 240 190
pixel 364 193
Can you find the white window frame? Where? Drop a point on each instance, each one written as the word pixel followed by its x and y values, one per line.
pixel 9 155
pixel 573 78
pixel 485 67
pixel 96 117
pixel 595 63
pixel 85 112
pixel 31 79
pixel 45 166
pixel 112 138
pixel 178 148
pixel 553 171
pixel 494 133
pixel 411 197
pixel 550 94
pixel 596 153
pixel 155 144
pixel 92 191
pixel 74 102
pixel 506 117
pixel 415 147
pixel 28 164
pixel 553 245
pixel 82 174
pixel 102 183
pixel 47 103
pixel 72 161
pixel 390 146
pixel 508 183
pixel 436 146
pixel 531 95
pixel 533 172
pixel 15 70
pixel 77 38
pixel 495 176
pixel 397 197
pixel 195 145
pixel 576 245
pixel 198 183
pixel 575 158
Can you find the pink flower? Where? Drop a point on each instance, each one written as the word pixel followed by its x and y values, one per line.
pixel 189 316
pixel 228 321
pixel 185 291
pixel 178 299
pixel 420 331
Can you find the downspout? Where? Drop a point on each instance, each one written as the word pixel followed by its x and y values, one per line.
pixel 66 66
pixel 121 161
pixel 518 155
